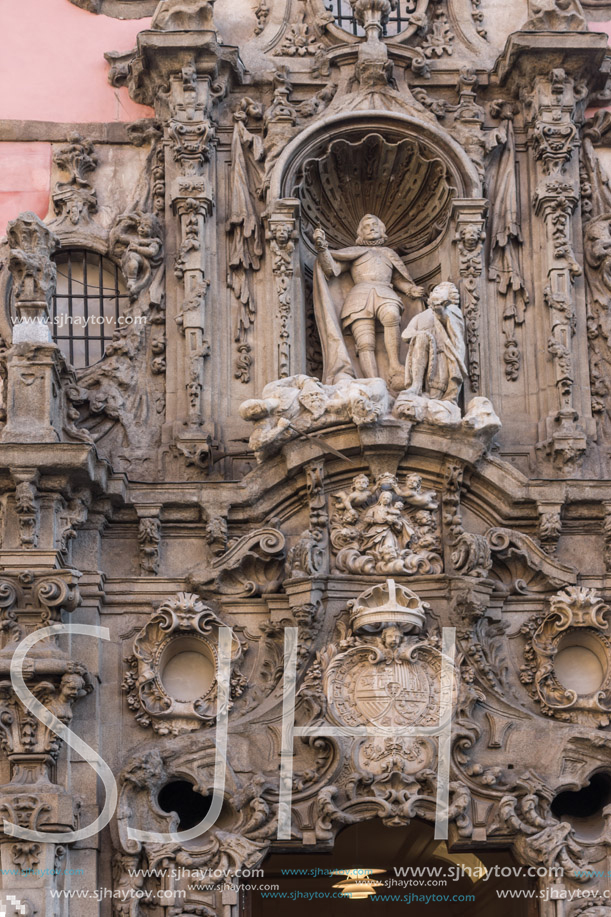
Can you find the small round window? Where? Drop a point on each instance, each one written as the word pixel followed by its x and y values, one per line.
pixel 89 299
pixel 398 20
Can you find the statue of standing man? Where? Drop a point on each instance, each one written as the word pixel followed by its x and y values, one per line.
pixel 378 275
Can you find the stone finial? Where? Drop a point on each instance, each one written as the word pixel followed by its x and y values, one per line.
pixel 31 245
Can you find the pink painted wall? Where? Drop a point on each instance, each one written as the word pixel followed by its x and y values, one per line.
pixel 25 174
pixel 52 65
pixel 52 68
pixel 600 27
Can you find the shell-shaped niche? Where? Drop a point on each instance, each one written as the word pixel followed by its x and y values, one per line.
pixel 397 182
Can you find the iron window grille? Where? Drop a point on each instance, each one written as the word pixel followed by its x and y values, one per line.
pixel 89 299
pixel 398 21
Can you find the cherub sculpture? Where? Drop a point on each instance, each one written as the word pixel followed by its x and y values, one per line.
pixel 136 240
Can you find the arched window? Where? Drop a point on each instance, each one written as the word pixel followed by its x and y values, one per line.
pixel 89 298
pixel 398 20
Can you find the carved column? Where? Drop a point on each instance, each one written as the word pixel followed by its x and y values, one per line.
pixel 190 136
pixel 282 238
pixel 469 218
pixel 182 69
pixel 33 408
pixel 547 73
pixel 35 796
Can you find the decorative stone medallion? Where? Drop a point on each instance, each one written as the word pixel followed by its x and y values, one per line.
pixel 567 655
pixel 172 682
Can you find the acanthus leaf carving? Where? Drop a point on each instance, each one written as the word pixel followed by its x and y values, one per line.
pixel 541 839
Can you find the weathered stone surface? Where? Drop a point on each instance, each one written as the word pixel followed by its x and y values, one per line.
pixel 359 398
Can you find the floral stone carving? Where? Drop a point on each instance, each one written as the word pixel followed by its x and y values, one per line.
pixel 577 618
pixel 181 625
pixel 388 528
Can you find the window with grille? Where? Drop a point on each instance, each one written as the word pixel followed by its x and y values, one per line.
pixel 398 20
pixel 89 298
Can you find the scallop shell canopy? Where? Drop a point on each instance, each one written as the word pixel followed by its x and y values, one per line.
pixel 395 181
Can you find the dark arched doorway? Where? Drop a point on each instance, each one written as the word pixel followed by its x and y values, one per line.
pixel 442 883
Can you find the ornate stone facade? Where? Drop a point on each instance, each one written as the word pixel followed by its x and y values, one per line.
pixel 355 402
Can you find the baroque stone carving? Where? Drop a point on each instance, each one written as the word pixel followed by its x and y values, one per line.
pixel 556 16
pixel 135 241
pixel 597 249
pixel 183 623
pixel 35 599
pixel 27 508
pixel 577 614
pixel 149 538
pixel 435 366
pixel 542 839
pixel 299 41
pixel 416 214
pixel 34 275
pixel 386 528
pixel 244 225
pixel 75 199
pixel 550 527
pixel 31 745
pixel 299 405
pixel 309 555
pixel 377 274
pixel 282 247
pixel 181 15
pixel 385 605
pixel 470 553
pixel 551 107
pixel 253 565
pixel 358 682
pixel 469 241
pixel 506 235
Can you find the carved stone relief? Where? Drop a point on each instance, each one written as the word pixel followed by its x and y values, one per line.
pixel 181 625
pixel 577 617
pixel 75 199
pixel 506 235
pixel 386 527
